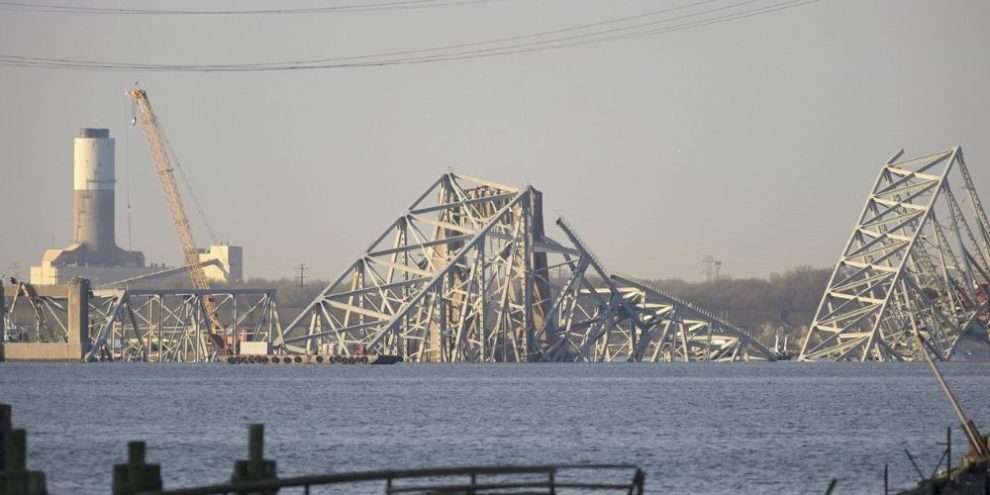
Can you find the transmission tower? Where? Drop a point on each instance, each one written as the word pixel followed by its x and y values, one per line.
pixel 302 274
pixel 710 268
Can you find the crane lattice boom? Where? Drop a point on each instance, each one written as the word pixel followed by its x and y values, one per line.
pixel 163 165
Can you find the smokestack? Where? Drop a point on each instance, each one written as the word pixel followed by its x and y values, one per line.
pixel 94 182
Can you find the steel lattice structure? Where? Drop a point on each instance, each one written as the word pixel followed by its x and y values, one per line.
pixel 468 275
pixel 160 325
pixel 172 325
pixel 917 261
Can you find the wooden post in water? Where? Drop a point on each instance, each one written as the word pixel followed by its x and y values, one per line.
pixel 136 476
pixel 5 427
pixel 16 479
pixel 886 480
pixel 639 480
pixel 256 467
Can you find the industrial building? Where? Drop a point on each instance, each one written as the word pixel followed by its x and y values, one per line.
pixel 94 254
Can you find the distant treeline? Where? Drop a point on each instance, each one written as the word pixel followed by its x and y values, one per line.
pixel 786 301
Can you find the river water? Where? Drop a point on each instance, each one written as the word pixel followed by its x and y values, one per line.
pixel 695 428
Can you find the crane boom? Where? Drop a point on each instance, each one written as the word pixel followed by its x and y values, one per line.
pixel 163 165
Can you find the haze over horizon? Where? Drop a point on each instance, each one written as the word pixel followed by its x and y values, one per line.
pixel 754 141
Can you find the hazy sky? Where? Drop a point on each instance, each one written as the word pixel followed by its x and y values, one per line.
pixel 754 141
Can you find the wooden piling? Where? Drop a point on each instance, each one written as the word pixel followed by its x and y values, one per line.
pixel 136 475
pixel 16 479
pixel 5 427
pixel 255 467
pixel 886 479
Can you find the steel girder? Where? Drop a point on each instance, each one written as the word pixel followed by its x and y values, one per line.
pixel 917 260
pixel 468 275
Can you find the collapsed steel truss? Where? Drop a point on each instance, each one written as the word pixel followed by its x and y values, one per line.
pixel 171 325
pixel 916 263
pixel 161 325
pixel 467 275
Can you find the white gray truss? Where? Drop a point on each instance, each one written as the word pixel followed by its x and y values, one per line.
pixel 468 275
pixel 160 325
pixel 169 325
pixel 917 259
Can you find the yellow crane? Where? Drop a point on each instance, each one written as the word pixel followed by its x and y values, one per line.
pixel 163 165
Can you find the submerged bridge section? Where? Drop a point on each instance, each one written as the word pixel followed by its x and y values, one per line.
pixel 467 274
pixel 915 265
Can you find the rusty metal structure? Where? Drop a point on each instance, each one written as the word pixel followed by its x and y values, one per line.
pixel 918 260
pixel 468 274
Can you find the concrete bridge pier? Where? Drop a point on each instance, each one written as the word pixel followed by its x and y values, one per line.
pixel 76 294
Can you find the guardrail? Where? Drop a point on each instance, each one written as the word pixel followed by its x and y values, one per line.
pixel 257 475
pixel 550 479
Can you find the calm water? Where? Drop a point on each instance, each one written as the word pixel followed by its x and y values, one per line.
pixel 755 428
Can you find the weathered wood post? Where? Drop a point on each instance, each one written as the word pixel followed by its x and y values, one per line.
pixel 5 427
pixel 639 480
pixel 136 475
pixel 16 479
pixel 886 479
pixel 256 467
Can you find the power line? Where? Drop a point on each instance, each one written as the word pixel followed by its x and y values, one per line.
pixel 396 5
pixel 438 49
pixel 390 58
pixel 516 38
pixel 501 50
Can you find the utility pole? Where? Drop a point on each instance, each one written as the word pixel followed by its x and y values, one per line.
pixel 302 274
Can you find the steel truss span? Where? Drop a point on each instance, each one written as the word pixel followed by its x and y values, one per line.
pixel 467 274
pixel 917 261
pixel 159 325
pixel 172 325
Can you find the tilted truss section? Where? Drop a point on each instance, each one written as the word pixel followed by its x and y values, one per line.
pixel 602 317
pixel 916 264
pixel 40 318
pixel 468 275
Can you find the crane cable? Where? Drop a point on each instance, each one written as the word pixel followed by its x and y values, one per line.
pixel 177 165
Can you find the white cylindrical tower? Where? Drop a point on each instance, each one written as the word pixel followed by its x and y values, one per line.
pixel 94 182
